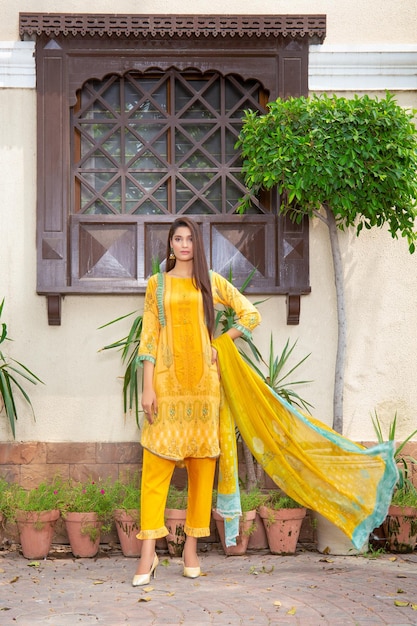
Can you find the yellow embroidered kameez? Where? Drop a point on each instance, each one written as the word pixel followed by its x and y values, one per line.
pixel 186 383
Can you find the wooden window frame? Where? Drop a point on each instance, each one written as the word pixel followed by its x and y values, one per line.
pixel 73 48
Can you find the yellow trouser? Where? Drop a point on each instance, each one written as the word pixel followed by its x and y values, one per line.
pixel 156 477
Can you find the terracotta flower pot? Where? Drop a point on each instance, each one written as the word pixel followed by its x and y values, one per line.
pixel 401 528
pixel 127 526
pixel 175 523
pixel 258 539
pixel 282 528
pixel 36 529
pixel 83 533
pixel 245 524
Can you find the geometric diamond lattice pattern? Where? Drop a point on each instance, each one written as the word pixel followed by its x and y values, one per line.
pixel 52 248
pixel 107 251
pixel 293 249
pixel 139 134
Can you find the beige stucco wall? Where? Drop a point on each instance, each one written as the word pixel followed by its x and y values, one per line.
pixel 357 21
pixel 81 399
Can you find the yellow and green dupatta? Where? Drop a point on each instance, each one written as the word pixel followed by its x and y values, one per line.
pixel 348 484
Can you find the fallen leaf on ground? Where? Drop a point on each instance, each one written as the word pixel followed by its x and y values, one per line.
pixel 401 603
pixel 145 599
pixel 392 558
pixel 277 603
pixel 292 611
pixel 148 588
pixel 98 582
pixel 400 590
pixel 14 580
pixel 33 564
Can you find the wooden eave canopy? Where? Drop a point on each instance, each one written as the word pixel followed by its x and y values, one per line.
pixel 312 27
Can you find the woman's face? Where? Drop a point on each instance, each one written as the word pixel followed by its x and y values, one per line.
pixel 182 244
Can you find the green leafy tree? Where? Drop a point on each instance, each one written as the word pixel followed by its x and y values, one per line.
pixel 348 162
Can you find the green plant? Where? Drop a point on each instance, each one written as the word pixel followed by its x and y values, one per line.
pixel 90 497
pixel 405 493
pixel 348 162
pixel 4 497
pixel 405 496
pixel 129 346
pixel 126 493
pixel 252 499
pixel 10 372
pixel 373 553
pixel 275 376
pixel 45 497
pixel 277 500
pixel 15 499
pixel 177 498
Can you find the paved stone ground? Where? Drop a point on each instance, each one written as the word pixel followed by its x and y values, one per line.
pixel 307 589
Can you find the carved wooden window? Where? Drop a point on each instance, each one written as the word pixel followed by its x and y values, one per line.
pixel 160 143
pixel 137 121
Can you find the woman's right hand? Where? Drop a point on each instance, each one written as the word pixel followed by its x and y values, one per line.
pixel 149 401
pixel 149 404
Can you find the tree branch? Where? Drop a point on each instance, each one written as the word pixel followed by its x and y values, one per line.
pixel 321 217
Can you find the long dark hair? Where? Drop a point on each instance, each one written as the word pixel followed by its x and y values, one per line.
pixel 201 276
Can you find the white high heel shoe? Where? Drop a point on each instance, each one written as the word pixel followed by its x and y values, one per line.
pixel 145 579
pixel 191 572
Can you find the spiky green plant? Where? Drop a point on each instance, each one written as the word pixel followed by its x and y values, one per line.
pixel 405 492
pixel 11 371
pixel 276 377
pixel 129 347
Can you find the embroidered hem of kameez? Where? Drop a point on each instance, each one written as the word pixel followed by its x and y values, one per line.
pixel 196 532
pixel 153 534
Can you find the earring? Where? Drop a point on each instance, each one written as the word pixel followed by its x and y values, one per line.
pixel 171 255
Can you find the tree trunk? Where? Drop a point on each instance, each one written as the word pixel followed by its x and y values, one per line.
pixel 339 379
pixel 250 467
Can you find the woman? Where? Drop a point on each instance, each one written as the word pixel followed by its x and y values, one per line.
pixel 181 389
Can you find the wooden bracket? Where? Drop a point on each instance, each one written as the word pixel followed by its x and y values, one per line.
pixel 293 308
pixel 54 309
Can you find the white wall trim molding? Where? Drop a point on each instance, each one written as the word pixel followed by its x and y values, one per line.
pixel 363 67
pixel 17 64
pixel 331 67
